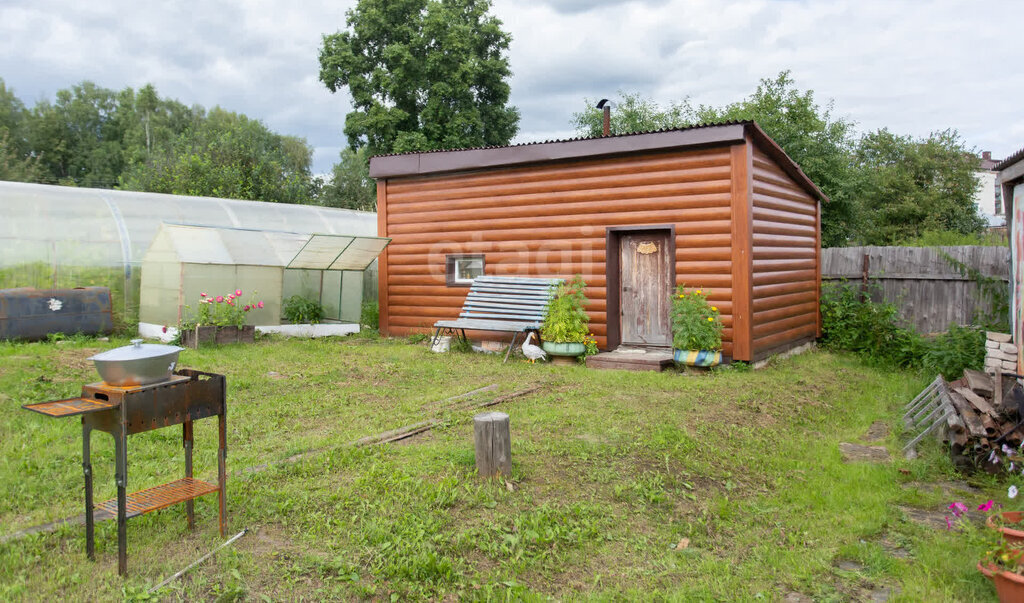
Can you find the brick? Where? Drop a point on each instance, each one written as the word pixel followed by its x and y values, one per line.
pixel 1000 337
pixel 1010 366
pixel 1009 348
pixel 992 345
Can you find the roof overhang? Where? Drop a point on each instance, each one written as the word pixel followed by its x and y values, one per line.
pixel 459 160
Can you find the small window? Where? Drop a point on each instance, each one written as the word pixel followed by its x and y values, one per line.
pixel 462 269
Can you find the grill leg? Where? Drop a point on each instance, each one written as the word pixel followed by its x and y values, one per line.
pixel 186 428
pixel 121 477
pixel 90 533
pixel 222 479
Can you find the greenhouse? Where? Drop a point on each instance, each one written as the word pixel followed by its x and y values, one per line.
pixel 61 237
pixel 186 264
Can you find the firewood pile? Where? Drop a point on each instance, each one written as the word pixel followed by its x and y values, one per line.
pixel 985 415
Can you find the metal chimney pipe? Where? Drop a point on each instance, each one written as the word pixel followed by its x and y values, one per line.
pixel 606 105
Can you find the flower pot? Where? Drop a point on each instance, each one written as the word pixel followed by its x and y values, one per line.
pixel 1009 586
pixel 1010 518
pixel 191 338
pixel 988 570
pixel 555 348
pixel 697 357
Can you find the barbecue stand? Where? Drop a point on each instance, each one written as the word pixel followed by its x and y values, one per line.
pixel 186 396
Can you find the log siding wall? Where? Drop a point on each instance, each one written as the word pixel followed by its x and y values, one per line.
pixel 552 220
pixel 787 260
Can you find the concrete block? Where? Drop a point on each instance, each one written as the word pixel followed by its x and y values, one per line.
pixel 992 345
pixel 1000 337
pixel 1010 366
pixel 1009 348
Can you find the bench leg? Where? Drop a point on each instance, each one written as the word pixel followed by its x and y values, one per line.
pixel 510 346
pixel 437 335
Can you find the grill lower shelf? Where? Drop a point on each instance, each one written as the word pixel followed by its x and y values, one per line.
pixel 153 499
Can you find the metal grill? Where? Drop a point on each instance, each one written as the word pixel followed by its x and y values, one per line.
pixel 185 397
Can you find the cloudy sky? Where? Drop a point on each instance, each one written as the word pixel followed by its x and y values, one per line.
pixel 913 67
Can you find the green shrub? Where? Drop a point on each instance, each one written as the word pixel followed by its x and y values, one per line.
pixel 695 322
pixel 566 321
pixel 872 330
pixel 299 310
pixel 370 315
pixel 876 332
pixel 958 349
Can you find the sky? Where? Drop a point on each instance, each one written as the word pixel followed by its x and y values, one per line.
pixel 914 67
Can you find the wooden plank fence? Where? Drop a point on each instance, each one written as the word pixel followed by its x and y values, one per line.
pixel 930 292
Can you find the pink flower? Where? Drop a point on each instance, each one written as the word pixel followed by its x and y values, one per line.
pixel 231 303
pixel 246 308
pixel 958 508
pixel 259 305
pixel 231 296
pixel 220 298
pixel 949 523
pixel 238 292
pixel 165 328
pixel 202 295
pixel 986 506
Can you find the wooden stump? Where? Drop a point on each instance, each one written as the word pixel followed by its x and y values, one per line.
pixel 493 444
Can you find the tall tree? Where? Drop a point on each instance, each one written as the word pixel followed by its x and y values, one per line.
pixel 423 75
pixel 228 155
pixel 817 140
pixel 351 186
pixel 909 186
pixel 633 112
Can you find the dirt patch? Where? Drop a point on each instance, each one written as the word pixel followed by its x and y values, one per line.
pixel 951 490
pixel 877 432
pixel 855 453
pixel 268 541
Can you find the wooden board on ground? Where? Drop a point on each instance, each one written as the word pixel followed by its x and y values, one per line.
pixel 977 401
pixel 979 382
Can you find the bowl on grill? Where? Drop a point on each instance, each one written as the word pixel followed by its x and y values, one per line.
pixel 137 364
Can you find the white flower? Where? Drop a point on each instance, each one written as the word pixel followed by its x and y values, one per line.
pixel 1007 449
pixel 1012 492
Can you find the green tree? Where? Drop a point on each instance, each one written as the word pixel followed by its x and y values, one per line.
pixel 908 187
pixel 229 155
pixel 351 186
pixel 817 140
pixel 423 75
pixel 632 113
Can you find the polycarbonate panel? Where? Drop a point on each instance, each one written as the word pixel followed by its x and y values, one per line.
pixel 57 236
pixel 360 254
pixel 320 252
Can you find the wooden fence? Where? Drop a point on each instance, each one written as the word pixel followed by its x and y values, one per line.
pixel 930 292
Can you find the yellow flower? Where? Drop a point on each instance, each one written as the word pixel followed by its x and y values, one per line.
pixel 714 308
pixel 710 319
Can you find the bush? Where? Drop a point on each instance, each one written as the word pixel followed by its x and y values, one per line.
pixel 876 332
pixel 958 349
pixel 299 310
pixel 872 330
pixel 566 321
pixel 695 322
pixel 370 315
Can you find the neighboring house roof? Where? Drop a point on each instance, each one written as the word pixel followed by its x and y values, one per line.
pixel 1012 159
pixel 432 162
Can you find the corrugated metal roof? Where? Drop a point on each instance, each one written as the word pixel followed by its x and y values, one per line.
pixel 1012 159
pixel 575 139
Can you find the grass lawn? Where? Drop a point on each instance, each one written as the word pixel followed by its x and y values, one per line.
pixel 610 471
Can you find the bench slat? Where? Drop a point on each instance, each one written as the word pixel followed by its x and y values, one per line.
pixel 504 304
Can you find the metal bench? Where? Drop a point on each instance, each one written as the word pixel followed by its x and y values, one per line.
pixel 507 304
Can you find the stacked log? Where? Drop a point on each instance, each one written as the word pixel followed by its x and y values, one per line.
pixel 984 418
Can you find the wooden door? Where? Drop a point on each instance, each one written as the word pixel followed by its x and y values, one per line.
pixel 645 286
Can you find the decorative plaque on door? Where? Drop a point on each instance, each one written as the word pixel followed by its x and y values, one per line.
pixel 647 247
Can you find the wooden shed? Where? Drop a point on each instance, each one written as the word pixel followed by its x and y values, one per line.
pixel 719 207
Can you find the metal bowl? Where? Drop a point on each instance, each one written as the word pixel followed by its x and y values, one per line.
pixel 137 364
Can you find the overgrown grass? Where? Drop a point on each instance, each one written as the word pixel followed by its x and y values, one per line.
pixel 610 471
